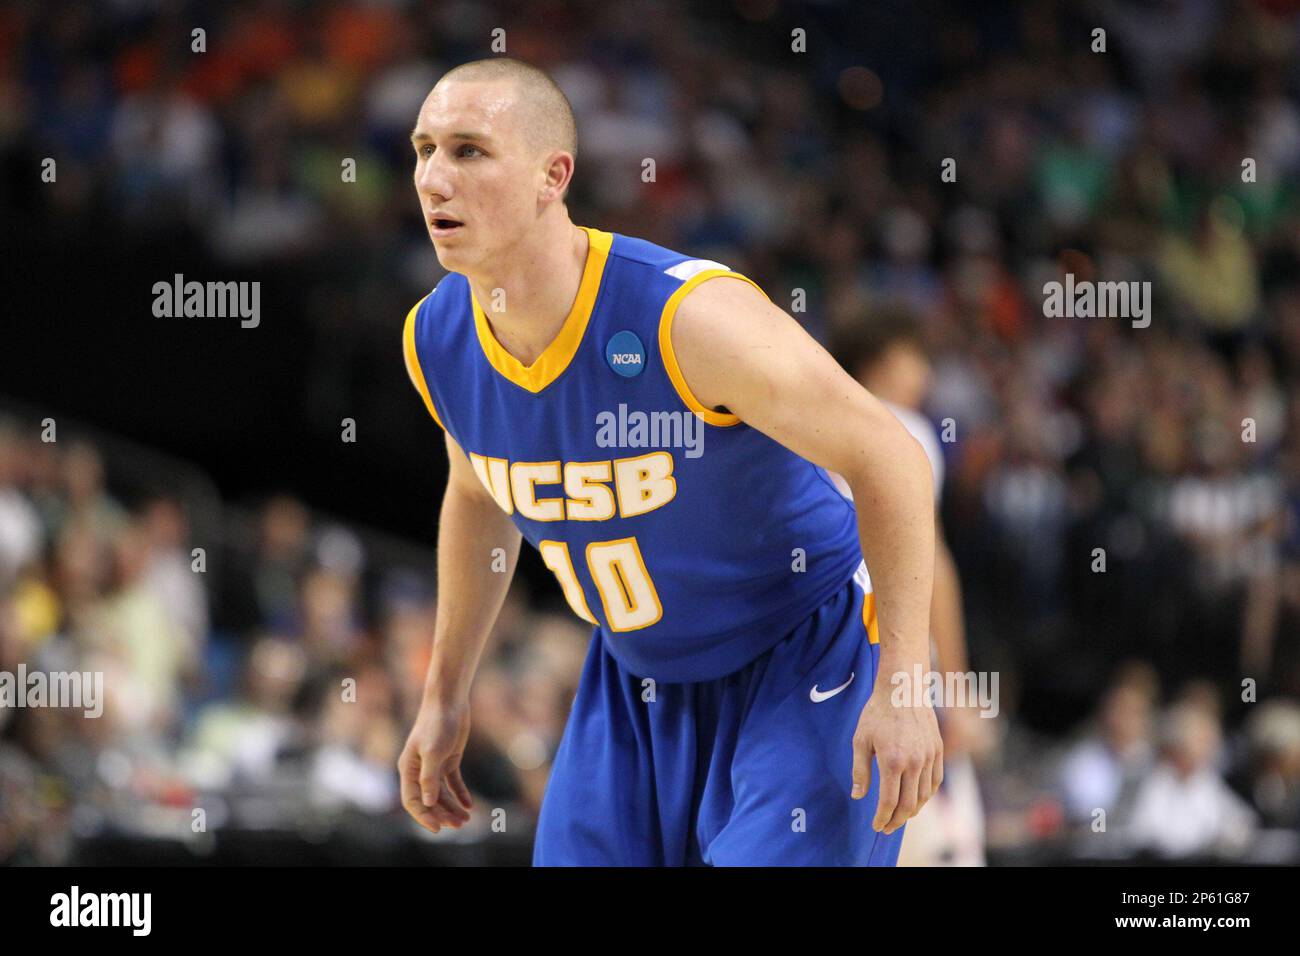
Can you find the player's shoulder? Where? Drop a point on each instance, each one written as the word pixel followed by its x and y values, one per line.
pixel 426 327
pixel 430 323
pixel 447 294
pixel 668 266
pixel 415 345
pixel 679 285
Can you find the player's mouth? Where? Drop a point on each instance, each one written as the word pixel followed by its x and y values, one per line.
pixel 441 226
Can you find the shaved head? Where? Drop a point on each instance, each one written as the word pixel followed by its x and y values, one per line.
pixel 495 147
pixel 544 110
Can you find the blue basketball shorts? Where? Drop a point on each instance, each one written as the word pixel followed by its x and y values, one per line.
pixel 751 769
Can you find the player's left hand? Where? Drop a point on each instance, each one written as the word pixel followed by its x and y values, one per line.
pixel 909 751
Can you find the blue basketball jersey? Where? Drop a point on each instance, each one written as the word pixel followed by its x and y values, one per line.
pixel 691 540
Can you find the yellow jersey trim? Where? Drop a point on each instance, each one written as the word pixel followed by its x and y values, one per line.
pixel 413 362
pixel 869 618
pixel 721 419
pixel 555 358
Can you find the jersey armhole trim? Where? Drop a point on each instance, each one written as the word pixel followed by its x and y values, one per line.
pixel 721 419
pixel 412 359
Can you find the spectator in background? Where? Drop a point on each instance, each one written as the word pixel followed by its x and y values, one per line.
pixel 170 574
pixel 408 615
pixel 498 748
pixel 20 524
pixel 261 585
pixel 241 739
pixel 1183 808
pixel 1230 518
pixel 151 650
pixel 329 616
pixel 1212 273
pixel 1287 660
pixel 1103 769
pixel 1270 776
pixel 87 503
pixel 359 741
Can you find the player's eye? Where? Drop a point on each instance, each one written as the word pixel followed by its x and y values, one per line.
pixel 426 150
pixel 461 152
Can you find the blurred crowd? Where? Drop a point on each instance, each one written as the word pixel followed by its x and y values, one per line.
pixel 268 680
pixel 1123 503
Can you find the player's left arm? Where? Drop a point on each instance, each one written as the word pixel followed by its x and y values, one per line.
pixel 736 349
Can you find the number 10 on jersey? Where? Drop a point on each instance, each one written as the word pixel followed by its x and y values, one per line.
pixel 619 573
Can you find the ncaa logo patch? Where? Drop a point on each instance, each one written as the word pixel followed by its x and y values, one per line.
pixel 625 354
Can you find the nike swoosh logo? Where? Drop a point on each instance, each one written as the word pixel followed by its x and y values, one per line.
pixel 817 696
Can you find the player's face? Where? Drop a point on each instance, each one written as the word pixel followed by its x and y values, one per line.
pixel 473 174
pixel 903 375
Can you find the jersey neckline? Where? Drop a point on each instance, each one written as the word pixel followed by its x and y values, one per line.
pixel 555 358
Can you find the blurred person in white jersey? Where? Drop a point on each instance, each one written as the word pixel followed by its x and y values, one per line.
pixel 885 351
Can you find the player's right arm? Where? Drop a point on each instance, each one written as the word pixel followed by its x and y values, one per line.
pixel 470 595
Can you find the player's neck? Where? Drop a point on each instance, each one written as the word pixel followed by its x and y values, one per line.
pixel 527 303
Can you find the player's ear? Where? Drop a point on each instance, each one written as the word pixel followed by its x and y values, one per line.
pixel 559 173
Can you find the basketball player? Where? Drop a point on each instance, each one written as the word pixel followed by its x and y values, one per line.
pixel 886 352
pixel 734 707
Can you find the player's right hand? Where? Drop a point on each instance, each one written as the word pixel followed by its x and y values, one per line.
pixel 433 791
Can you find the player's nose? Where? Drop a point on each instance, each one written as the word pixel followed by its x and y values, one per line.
pixel 433 179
